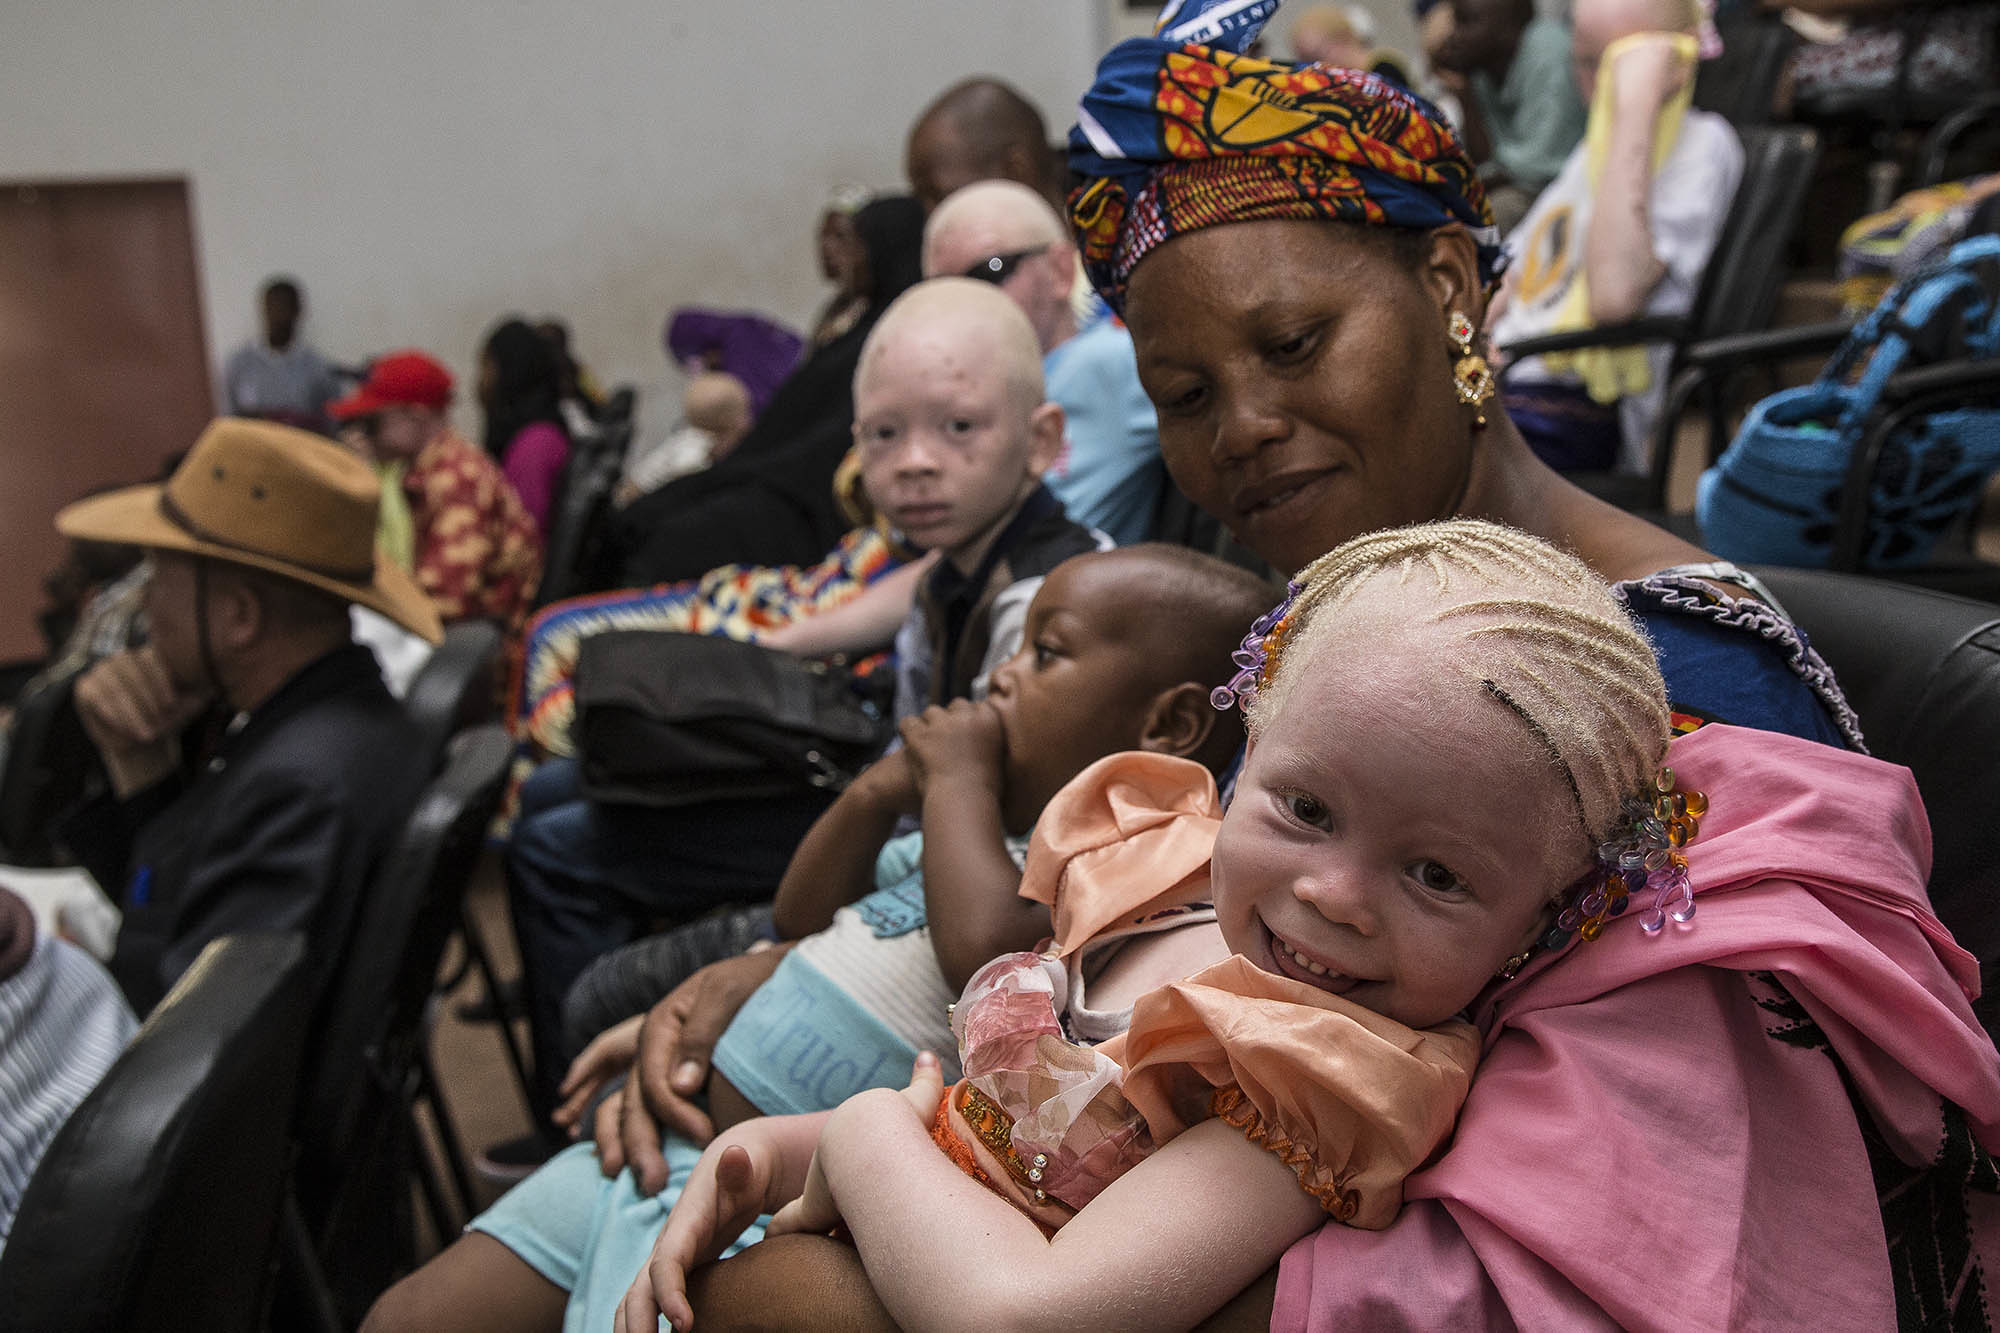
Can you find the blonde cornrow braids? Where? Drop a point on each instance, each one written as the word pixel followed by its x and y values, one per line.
pixel 1531 626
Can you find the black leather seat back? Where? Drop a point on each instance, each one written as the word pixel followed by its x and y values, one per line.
pixel 157 1205
pixel 1739 291
pixel 372 1017
pixel 410 911
pixel 457 688
pixel 1741 84
pixel 46 756
pixel 1922 669
pixel 583 507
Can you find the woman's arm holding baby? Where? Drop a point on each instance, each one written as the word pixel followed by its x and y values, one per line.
pixel 1165 1245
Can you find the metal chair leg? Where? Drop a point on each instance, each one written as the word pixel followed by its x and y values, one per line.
pixel 299 1261
pixel 444 1218
pixel 483 959
pixel 430 1091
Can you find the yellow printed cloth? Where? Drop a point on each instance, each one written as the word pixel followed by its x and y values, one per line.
pixel 395 526
pixel 1611 373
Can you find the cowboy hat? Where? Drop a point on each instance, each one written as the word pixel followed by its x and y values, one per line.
pixel 263 495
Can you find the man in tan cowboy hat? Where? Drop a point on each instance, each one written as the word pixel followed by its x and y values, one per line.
pixel 259 542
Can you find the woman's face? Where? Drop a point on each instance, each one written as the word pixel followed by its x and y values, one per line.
pixel 1303 381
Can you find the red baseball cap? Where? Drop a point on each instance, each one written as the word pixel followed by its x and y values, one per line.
pixel 399 379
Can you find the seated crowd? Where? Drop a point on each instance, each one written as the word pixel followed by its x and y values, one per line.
pixel 1485 915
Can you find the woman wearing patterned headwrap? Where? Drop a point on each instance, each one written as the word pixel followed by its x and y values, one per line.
pixel 1303 257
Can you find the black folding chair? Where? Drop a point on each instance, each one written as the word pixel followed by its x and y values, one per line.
pixel 1739 293
pixel 1741 84
pixel 1934 158
pixel 46 757
pixel 589 478
pixel 1922 670
pixel 1906 399
pixel 371 1067
pixel 1955 567
pixel 458 687
pixel 159 1203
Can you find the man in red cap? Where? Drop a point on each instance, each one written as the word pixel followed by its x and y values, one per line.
pixel 475 549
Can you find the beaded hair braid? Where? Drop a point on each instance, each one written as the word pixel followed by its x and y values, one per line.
pixel 1533 628
pixel 1545 639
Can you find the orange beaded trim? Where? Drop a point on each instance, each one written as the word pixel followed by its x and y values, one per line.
pixel 954 1147
pixel 1229 1104
pixel 994 1128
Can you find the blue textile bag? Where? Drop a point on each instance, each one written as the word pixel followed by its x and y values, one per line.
pixel 1774 495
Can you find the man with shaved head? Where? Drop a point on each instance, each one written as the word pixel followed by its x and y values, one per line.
pixel 1616 236
pixel 955 432
pixel 1109 473
pixel 980 129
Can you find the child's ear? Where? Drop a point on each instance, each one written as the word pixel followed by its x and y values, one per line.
pixel 1179 721
pixel 1045 438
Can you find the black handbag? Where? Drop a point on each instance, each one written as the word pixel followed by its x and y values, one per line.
pixel 667 719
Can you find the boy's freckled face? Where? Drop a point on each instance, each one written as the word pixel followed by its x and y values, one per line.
pixel 1395 835
pixel 947 443
pixel 1082 685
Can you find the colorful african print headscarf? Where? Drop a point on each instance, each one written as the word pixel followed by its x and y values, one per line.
pixel 1183 131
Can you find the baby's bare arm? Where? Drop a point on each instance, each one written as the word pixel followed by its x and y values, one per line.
pixel 972 888
pixel 1164 1245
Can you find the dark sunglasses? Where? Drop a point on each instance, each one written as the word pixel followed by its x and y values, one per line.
pixel 996 269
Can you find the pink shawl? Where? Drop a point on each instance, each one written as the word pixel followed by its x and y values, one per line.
pixel 1653 1140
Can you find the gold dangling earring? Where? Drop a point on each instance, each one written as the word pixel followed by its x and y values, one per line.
pixel 1471 376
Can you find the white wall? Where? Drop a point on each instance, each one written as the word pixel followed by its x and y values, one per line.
pixel 425 166
pixel 1395 26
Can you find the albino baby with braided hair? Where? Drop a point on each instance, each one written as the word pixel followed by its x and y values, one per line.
pixel 1456 739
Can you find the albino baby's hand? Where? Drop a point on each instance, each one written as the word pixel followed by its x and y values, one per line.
pixel 724 1195
pixel 815 1210
pixel 926 1088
